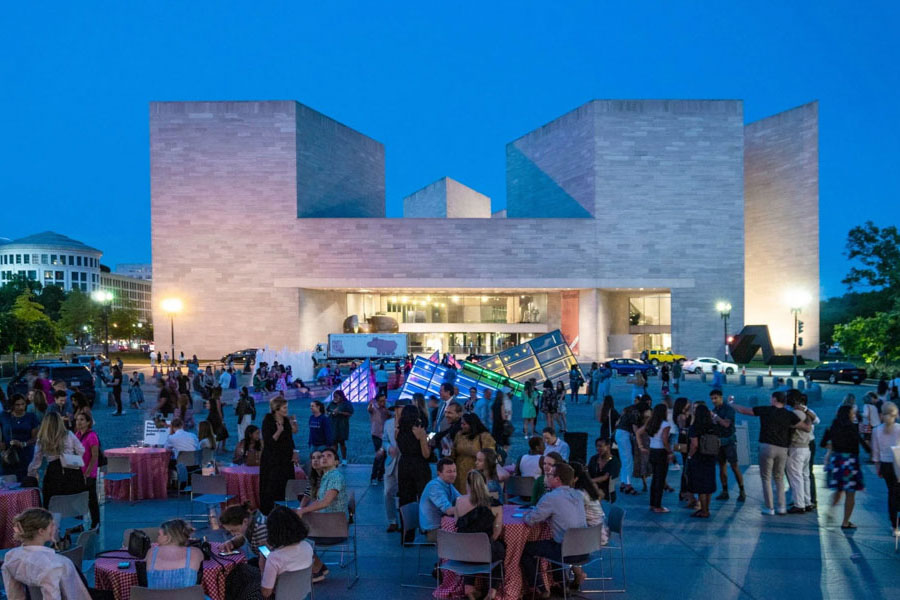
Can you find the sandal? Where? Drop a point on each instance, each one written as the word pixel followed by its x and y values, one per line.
pixel 697 513
pixel 849 525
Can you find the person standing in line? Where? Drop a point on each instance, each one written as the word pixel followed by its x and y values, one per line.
pixel 116 384
pixel 799 456
pixel 278 455
pixel 378 415
pixel 844 470
pixel 723 417
pixel 701 464
pixel 884 437
pixel 775 429
pixel 339 411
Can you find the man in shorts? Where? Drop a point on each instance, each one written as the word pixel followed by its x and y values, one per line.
pixel 723 420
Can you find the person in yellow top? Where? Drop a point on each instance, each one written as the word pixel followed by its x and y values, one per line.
pixel 472 437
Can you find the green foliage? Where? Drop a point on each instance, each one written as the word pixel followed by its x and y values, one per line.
pixel 28 309
pixel 13 334
pixel 123 323
pixel 878 249
pixel 76 312
pixel 844 309
pixel 52 297
pixel 875 339
pixel 44 337
pixel 13 289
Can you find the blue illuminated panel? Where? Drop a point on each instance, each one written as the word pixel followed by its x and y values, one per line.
pixel 426 378
pixel 544 357
pixel 360 386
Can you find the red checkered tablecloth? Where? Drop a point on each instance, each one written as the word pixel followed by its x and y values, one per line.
pixel 108 576
pixel 12 502
pixel 516 533
pixel 242 482
pixel 150 467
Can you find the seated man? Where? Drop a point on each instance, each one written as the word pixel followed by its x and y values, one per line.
pixel 562 507
pixel 180 440
pixel 438 498
pixel 553 443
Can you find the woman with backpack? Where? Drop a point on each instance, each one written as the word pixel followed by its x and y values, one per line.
pixel 701 458
pixel 245 410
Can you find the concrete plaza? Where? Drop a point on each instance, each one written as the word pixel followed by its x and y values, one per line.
pixel 737 553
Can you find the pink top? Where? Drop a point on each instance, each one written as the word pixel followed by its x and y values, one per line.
pixel 89 440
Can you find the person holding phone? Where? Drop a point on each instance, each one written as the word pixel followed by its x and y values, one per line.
pixel 287 549
pixel 249 529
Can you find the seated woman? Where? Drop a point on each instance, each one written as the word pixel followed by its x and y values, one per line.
pixel 288 550
pixel 206 435
pixel 34 563
pixel 172 563
pixel 330 497
pixel 249 449
pixel 249 529
pixel 315 479
pixel 529 464
pixel 478 512
pixel 486 464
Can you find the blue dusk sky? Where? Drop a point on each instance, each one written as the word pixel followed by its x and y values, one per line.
pixel 443 85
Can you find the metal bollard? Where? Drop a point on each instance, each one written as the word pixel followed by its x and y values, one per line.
pixel 703 377
pixel 801 384
pixel 743 379
pixel 789 382
pixel 814 393
pixel 759 381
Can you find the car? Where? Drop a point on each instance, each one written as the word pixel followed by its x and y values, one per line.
pixel 835 372
pixel 77 377
pixel 241 355
pixel 85 359
pixel 705 364
pixel 630 366
pixel 654 357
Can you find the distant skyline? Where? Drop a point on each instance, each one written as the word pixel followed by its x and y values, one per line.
pixel 444 87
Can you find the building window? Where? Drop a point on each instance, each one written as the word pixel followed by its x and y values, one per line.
pixel 27 259
pixel 78 261
pixel 48 275
pixel 650 310
pixel 53 259
pixel 32 275
pixel 44 259
pixel 18 259
pixel 84 276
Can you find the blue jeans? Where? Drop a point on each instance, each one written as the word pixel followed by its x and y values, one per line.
pixel 623 440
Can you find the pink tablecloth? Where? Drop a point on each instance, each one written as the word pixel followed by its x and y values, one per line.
pixel 12 502
pixel 243 483
pixel 108 576
pixel 150 467
pixel 515 535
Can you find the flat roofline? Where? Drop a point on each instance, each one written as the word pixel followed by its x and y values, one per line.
pixel 499 285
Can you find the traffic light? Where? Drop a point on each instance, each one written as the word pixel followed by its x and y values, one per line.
pixel 800 327
pixel 800 342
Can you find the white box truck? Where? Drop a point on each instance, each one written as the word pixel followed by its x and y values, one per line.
pixel 360 346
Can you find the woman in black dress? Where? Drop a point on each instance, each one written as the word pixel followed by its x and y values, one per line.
pixel 701 467
pixel 277 460
pixel 499 427
pixel 413 472
pixel 215 418
pixel 608 417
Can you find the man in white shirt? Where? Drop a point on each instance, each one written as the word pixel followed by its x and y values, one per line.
pixel 225 379
pixel 180 440
pixel 553 443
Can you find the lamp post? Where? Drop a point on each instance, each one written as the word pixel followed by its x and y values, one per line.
pixel 797 299
pixel 172 306
pixel 104 297
pixel 724 309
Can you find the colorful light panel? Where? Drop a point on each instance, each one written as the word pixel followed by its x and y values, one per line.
pixel 426 377
pixel 360 385
pixel 544 357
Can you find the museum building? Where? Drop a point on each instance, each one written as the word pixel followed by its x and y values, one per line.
pixel 626 221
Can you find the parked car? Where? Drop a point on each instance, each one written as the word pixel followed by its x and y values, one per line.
pixel 835 372
pixel 654 357
pixel 705 364
pixel 77 377
pixel 85 359
pixel 629 366
pixel 241 355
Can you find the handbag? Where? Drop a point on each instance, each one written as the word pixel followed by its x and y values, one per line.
pixel 71 461
pixel 10 457
pixel 710 444
pixel 138 543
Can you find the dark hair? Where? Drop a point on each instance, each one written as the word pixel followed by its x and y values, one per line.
pixel 584 482
pixel 603 440
pixel 535 445
pixel 715 392
pixel 779 397
pixel 607 407
pixel 882 387
pixel 235 514
pixel 702 419
pixel 285 528
pixel 248 435
pixel 659 416
pixel 79 401
pixel 338 396
pixel 678 408
pixel 476 427
pixel 560 386
pixel 792 397
pixel 448 387
pixel 548 384
pixel 549 430
pixel 564 472
pixel 443 463
pixel 332 451
pixel 556 456
pixel 842 419
pixel 321 406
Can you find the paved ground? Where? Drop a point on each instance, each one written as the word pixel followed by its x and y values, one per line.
pixel 737 553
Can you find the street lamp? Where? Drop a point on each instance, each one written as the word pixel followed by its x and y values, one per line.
pixel 104 297
pixel 172 306
pixel 724 309
pixel 797 299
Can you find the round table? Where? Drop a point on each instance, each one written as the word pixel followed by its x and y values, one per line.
pixel 150 467
pixel 12 502
pixel 108 575
pixel 516 533
pixel 242 482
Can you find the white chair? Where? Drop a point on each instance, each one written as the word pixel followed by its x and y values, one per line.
pixel 294 585
pixel 71 508
pixel 118 468
pixel 467 554
pixel 331 533
pixel 409 527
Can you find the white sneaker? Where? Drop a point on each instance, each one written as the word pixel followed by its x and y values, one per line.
pixel 768 512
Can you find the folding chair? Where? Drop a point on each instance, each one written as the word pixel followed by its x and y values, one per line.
pixel 76 555
pixel 613 490
pixel 294 585
pixel 194 592
pixel 615 520
pixel 118 468
pixel 185 462
pixel 467 554
pixel 210 491
pixel 207 455
pixel 71 508
pixel 409 523
pixel 88 540
pixel 331 533
pixel 577 542
pixel 518 490
pixel 293 489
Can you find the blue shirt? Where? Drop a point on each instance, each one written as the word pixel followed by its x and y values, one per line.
pixel 560 446
pixel 483 411
pixel 319 431
pixel 718 380
pixel 437 498
pixel 563 508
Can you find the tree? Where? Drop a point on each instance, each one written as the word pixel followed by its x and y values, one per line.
pixel 879 252
pixel 52 297
pixel 13 289
pixel 13 334
pixel 123 323
pixel 28 309
pixel 872 338
pixel 44 337
pixel 76 312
